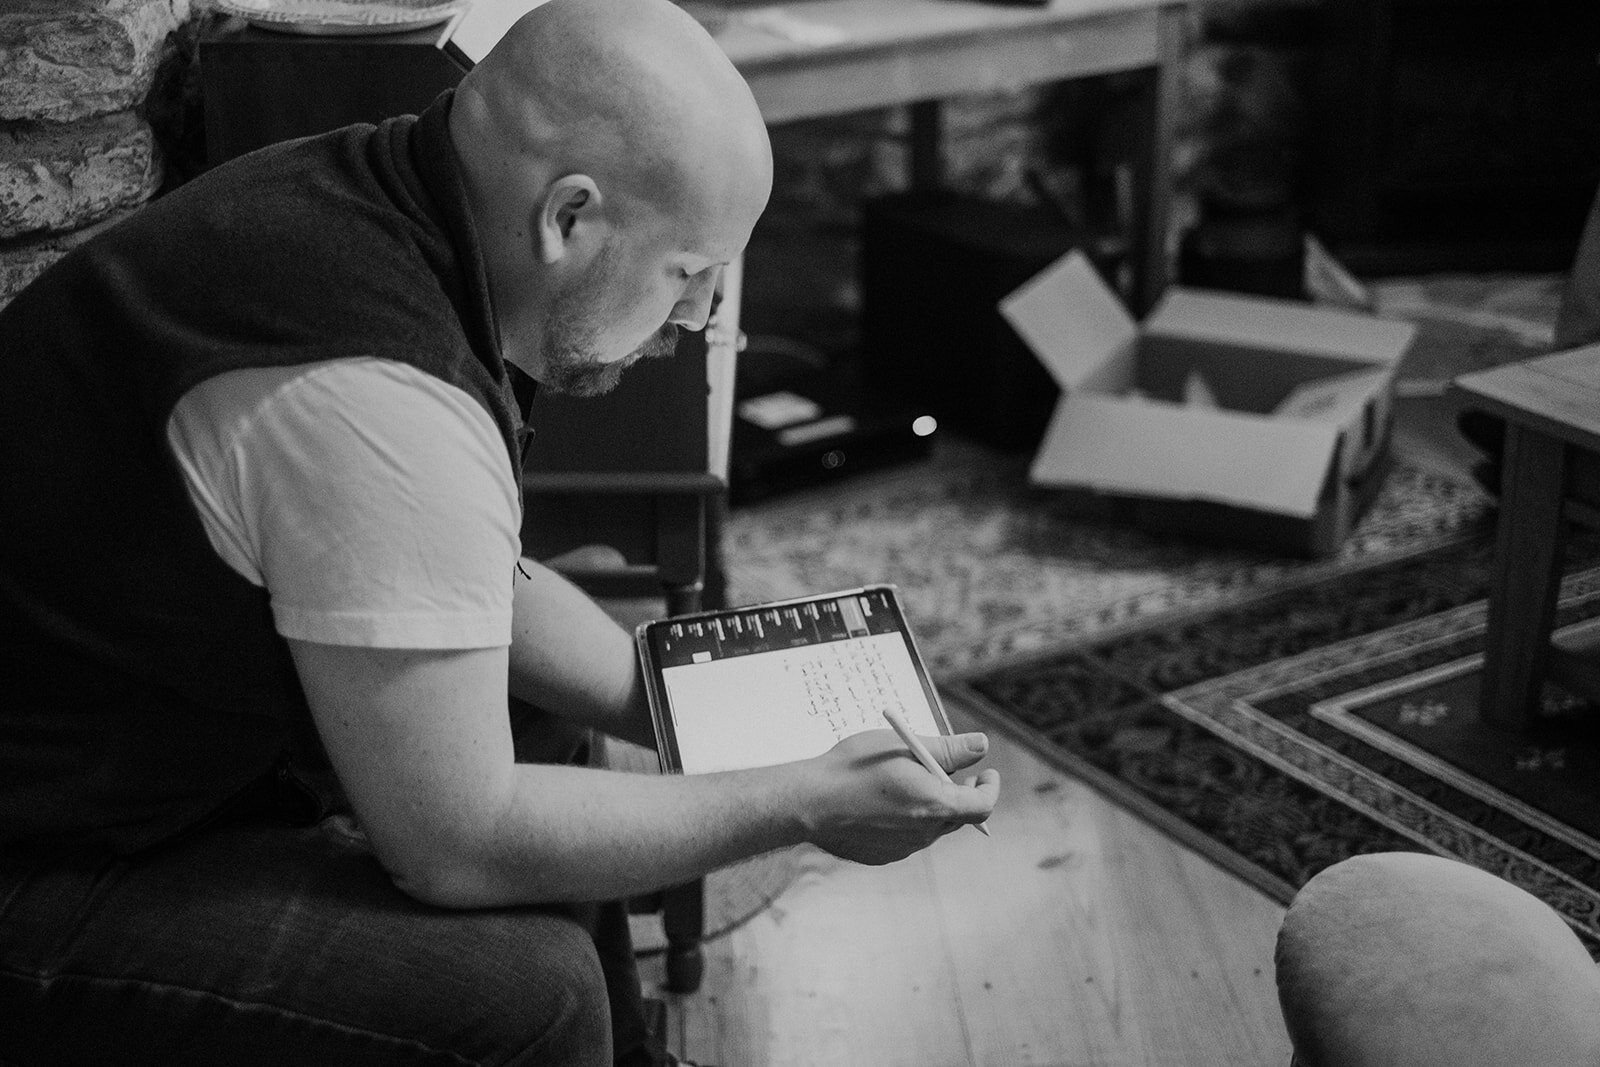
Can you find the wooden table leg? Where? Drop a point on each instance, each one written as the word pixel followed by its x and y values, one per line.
pixel 683 920
pixel 1527 578
pixel 681 551
pixel 927 151
pixel 682 556
pixel 1152 209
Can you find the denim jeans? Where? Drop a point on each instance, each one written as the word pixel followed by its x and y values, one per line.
pixel 257 941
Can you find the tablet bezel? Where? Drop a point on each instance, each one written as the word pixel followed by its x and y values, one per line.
pixel 655 686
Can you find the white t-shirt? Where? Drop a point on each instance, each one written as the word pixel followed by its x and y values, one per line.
pixel 373 501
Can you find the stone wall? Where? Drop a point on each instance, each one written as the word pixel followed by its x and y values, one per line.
pixel 90 123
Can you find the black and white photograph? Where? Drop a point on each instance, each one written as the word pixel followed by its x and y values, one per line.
pixel 818 533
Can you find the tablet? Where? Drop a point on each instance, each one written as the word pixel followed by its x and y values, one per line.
pixel 771 683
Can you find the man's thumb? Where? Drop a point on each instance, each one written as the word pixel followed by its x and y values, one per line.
pixel 962 749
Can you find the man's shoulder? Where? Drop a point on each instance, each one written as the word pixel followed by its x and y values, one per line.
pixel 368 389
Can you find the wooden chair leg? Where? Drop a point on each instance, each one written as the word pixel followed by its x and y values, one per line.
pixel 683 919
pixel 1526 580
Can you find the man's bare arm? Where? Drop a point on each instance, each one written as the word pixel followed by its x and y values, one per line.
pixel 569 658
pixel 421 741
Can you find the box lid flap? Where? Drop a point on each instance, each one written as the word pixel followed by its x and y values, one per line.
pixel 1283 325
pixel 1071 321
pixel 1163 450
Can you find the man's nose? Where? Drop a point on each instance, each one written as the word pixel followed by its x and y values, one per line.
pixel 694 309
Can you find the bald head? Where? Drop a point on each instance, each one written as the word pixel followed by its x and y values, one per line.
pixel 594 138
pixel 634 92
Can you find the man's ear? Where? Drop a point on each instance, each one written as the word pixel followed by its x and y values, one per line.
pixel 569 203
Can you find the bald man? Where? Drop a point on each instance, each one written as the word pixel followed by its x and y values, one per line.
pixel 259 450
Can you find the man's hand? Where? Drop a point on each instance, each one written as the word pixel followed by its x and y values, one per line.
pixel 874 803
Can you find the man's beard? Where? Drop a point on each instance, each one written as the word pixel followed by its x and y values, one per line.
pixel 573 363
pixel 572 367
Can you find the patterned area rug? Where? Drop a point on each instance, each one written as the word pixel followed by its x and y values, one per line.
pixel 1281 733
pixel 995 574
pixel 991 569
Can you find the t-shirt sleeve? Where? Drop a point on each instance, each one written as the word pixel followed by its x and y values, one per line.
pixel 373 501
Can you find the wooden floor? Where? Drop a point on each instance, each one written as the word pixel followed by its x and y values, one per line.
pixel 1077 935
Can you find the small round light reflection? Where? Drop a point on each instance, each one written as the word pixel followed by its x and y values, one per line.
pixel 924 425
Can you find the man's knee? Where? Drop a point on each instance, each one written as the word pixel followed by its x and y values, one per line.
pixel 534 990
pixel 1415 959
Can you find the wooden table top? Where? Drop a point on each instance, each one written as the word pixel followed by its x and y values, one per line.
pixel 754 36
pixel 822 57
pixel 1558 395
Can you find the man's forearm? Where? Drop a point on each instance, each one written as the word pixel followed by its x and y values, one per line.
pixel 422 742
pixel 572 833
pixel 570 658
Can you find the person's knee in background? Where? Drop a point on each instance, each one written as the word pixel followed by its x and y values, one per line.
pixel 1413 960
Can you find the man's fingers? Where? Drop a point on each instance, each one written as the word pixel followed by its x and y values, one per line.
pixel 989 780
pixel 975 798
pixel 958 750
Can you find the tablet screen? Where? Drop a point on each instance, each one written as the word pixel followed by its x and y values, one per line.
pixel 771 683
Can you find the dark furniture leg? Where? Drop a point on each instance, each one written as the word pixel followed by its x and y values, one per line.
pixel 927 152
pixel 683 906
pixel 1153 187
pixel 683 918
pixel 1526 579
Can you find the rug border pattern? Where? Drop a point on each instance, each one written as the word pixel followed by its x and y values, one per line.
pixel 1338 713
pixel 1225 707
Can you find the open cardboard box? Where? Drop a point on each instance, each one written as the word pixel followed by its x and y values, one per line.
pixel 1249 419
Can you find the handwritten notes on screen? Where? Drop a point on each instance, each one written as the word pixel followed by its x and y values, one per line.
pixel 792 703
